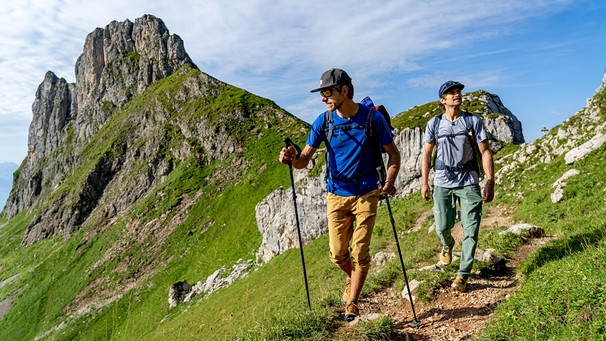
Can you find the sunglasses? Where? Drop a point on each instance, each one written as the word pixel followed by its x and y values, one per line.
pixel 326 93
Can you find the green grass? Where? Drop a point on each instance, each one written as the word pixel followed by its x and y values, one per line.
pixel 562 295
pixel 562 300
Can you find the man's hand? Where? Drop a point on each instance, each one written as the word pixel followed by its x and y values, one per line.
pixel 426 192
pixel 287 155
pixel 388 188
pixel 488 193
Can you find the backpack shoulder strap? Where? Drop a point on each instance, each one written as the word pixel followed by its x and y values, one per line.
pixel 467 117
pixel 436 126
pixel 328 129
pixel 369 128
pixel 469 125
pixel 328 125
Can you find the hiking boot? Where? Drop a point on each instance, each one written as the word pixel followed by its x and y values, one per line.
pixel 446 255
pixel 346 292
pixel 351 311
pixel 460 284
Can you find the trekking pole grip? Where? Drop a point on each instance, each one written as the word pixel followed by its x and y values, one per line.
pixel 288 143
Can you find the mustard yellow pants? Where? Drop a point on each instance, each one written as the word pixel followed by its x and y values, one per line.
pixel 342 212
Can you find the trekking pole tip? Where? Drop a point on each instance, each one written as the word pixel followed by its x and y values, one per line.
pixel 416 322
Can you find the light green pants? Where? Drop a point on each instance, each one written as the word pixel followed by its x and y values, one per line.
pixel 470 201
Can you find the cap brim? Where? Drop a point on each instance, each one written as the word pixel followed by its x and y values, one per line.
pixel 456 86
pixel 320 89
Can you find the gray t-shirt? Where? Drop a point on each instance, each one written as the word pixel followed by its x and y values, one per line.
pixel 454 148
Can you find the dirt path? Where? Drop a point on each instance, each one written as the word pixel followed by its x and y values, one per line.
pixel 452 315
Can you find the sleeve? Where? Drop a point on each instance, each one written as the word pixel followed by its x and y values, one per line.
pixel 385 134
pixel 429 136
pixel 316 134
pixel 481 133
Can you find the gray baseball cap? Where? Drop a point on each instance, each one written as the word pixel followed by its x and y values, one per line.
pixel 332 78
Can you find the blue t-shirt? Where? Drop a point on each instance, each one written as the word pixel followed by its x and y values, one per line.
pixel 351 158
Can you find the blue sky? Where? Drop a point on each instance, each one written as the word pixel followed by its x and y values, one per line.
pixel 544 58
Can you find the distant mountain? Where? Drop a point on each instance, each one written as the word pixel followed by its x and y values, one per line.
pixel 6 180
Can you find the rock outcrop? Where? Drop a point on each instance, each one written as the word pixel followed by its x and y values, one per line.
pixel 502 125
pixel 118 62
pixel 277 222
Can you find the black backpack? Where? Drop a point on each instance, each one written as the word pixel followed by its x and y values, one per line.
pixel 375 144
pixel 475 164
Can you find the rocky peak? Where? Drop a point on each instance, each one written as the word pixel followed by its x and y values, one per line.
pixel 53 108
pixel 502 125
pixel 117 63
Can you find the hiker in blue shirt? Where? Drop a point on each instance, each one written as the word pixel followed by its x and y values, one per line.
pixel 456 176
pixel 353 188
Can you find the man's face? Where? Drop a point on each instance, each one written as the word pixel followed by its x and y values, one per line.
pixel 333 98
pixel 452 97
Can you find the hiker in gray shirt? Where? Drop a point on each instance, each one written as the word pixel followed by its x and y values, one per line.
pixel 456 134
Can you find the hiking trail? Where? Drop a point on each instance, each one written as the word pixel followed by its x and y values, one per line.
pixel 452 315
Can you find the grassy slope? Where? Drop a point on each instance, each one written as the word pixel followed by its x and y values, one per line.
pixel 563 296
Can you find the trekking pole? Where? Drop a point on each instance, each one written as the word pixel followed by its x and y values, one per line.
pixel 288 143
pixel 382 177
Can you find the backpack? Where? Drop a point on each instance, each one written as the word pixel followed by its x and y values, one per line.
pixel 475 164
pixel 375 145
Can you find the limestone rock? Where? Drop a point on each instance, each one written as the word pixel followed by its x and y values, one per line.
pixel 558 193
pixel 382 258
pixel 413 286
pixel 488 256
pixel 581 151
pixel 277 222
pixel 520 229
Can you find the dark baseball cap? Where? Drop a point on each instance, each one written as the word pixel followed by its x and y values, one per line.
pixel 332 78
pixel 449 85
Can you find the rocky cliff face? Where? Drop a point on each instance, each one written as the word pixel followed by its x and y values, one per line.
pixel 117 63
pixel 276 221
pixel 502 125
pixel 276 218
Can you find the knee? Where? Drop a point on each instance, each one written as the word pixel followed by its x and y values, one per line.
pixel 360 258
pixel 340 258
pixel 362 265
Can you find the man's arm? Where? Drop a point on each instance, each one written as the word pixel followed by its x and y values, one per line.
pixel 393 167
pixel 425 166
pixel 488 165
